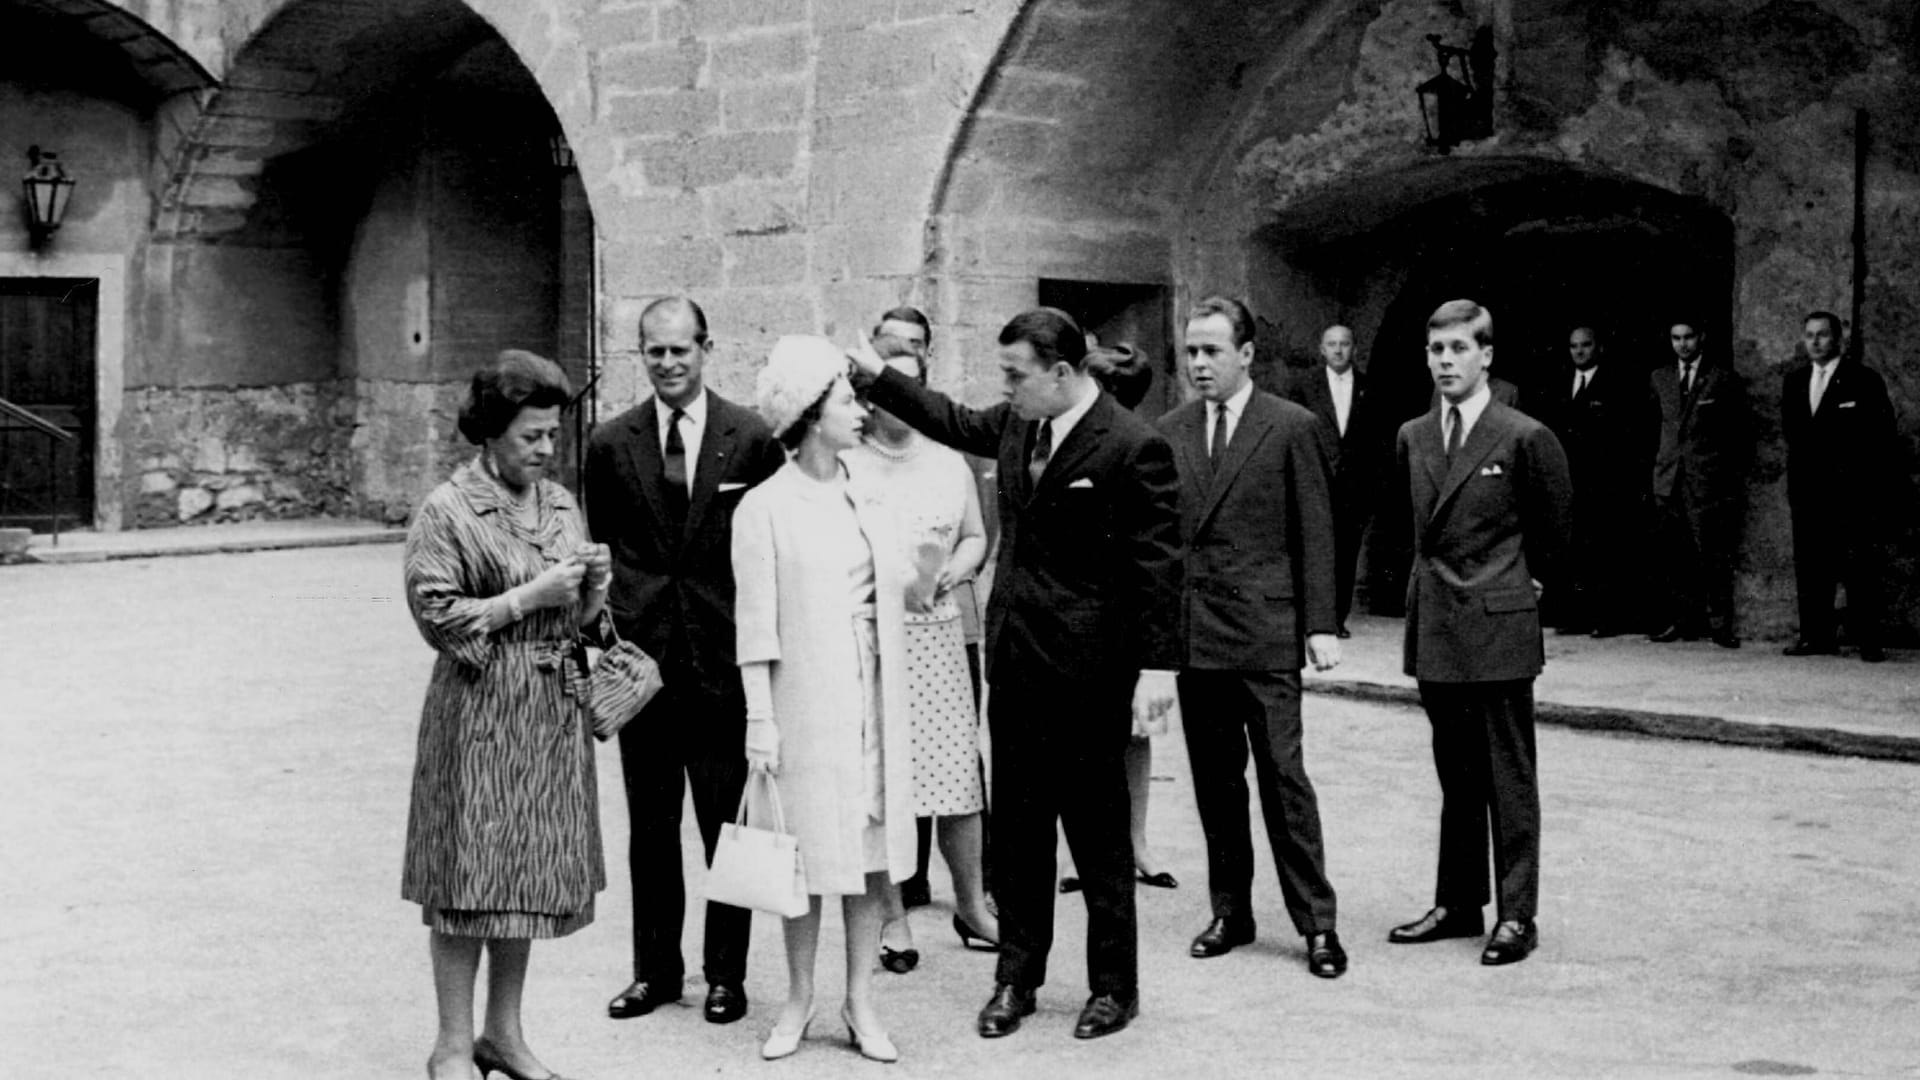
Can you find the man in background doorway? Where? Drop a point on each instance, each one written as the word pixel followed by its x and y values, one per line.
pixel 1336 392
pixel 1596 409
pixel 1698 481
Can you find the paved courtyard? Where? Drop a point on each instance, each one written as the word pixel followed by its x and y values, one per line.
pixel 205 762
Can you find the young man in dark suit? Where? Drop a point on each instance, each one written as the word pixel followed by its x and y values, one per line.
pixel 1698 479
pixel 1257 525
pixel 1081 635
pixel 1336 392
pixel 662 482
pixel 1490 502
pixel 1597 410
pixel 1841 445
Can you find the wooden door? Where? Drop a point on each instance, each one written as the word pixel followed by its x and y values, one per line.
pixel 47 367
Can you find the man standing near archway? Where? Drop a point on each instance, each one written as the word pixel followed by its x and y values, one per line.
pixel 1336 392
pixel 1697 483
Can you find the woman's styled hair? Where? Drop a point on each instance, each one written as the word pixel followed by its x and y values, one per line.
pixel 515 380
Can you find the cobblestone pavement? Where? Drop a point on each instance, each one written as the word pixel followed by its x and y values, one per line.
pixel 205 761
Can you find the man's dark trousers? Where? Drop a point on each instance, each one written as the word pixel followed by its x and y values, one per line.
pixel 1058 764
pixel 664 751
pixel 1483 753
pixel 1221 712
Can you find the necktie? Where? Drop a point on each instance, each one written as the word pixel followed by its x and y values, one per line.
pixel 1579 385
pixel 676 454
pixel 1686 377
pixel 1042 452
pixel 1819 387
pixel 1453 431
pixel 1218 444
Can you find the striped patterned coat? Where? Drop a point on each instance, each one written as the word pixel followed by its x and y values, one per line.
pixel 505 814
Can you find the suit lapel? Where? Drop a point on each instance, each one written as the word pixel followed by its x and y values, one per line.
pixel 643 450
pixel 1078 444
pixel 1255 422
pixel 1435 459
pixel 1480 442
pixel 716 444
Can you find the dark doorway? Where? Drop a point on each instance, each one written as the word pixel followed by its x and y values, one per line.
pixel 47 368
pixel 1124 314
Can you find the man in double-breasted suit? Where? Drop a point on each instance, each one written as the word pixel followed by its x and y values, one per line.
pixel 1490 502
pixel 1336 392
pixel 1698 480
pixel 1082 633
pixel 1841 447
pixel 1598 411
pixel 663 479
pixel 1257 524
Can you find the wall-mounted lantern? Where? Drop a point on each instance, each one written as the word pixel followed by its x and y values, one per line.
pixel 48 189
pixel 1455 110
pixel 561 151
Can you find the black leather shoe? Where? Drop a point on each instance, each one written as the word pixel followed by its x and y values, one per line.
pixel 725 1003
pixel 1343 633
pixel 1325 957
pixel 1803 647
pixel 1673 633
pixel 642 997
pixel 1512 941
pixel 1873 654
pixel 1104 1015
pixel 1726 639
pixel 1220 937
pixel 1438 925
pixel 1004 1010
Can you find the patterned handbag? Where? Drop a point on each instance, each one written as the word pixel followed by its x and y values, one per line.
pixel 759 869
pixel 623 681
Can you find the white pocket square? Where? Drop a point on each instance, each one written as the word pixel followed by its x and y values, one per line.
pixel 724 488
pixel 1492 470
pixel 1083 482
pixel 1847 404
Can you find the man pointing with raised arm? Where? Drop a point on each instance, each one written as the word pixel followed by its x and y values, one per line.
pixel 1082 631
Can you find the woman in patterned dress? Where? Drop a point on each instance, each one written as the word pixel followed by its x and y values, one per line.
pixel 819 616
pixel 931 491
pixel 503 838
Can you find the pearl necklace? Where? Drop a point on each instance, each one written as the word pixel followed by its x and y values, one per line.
pixel 903 454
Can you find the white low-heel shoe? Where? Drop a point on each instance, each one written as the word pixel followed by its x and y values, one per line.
pixel 871 1047
pixel 781 1044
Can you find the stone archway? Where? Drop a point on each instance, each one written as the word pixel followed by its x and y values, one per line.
pixel 366 210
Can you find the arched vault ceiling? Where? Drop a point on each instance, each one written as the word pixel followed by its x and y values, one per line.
pixel 1122 106
pixel 152 58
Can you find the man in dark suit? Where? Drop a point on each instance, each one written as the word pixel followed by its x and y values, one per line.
pixel 1841 446
pixel 1336 392
pixel 662 482
pixel 1082 635
pixel 1257 524
pixel 1597 409
pixel 1490 501
pixel 1701 409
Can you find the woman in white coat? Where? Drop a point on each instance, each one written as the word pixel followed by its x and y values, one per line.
pixel 819 610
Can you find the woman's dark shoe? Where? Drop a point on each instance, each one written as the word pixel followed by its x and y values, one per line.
pixel 973 939
pixel 899 961
pixel 1161 880
pixel 489 1061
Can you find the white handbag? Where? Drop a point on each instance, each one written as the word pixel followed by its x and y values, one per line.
pixel 759 868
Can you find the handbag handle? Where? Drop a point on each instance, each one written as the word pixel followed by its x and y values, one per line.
pixel 762 777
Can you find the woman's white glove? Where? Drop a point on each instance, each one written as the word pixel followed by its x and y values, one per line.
pixel 763 745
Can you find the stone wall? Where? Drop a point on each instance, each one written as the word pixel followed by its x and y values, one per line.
pixel 195 456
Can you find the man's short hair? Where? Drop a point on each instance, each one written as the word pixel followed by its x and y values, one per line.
pixel 1463 313
pixel 667 305
pixel 1833 321
pixel 906 313
pixel 1235 312
pixel 1052 334
pixel 1588 327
